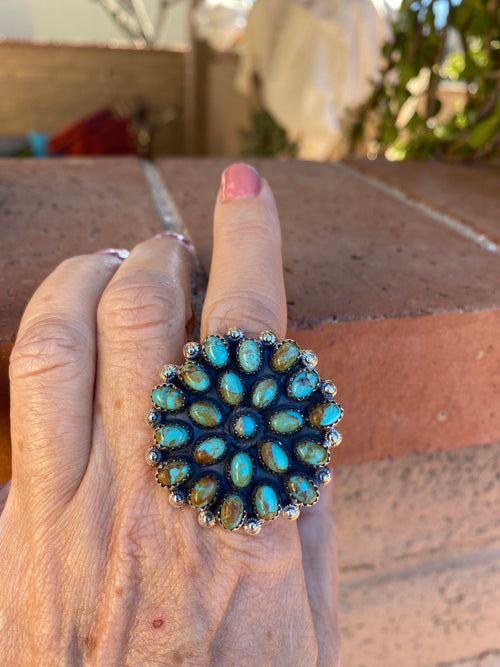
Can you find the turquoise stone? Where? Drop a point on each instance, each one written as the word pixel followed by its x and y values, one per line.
pixel 216 351
pixel 173 472
pixel 209 450
pixel 171 436
pixel 244 426
pixel 205 414
pixel 285 356
pixel 312 453
pixel 203 492
pixel 274 456
pixel 266 502
pixel 231 512
pixel 286 421
pixel 303 383
pixel 249 355
pixel 301 490
pixel 168 397
pixel 194 376
pixel 264 393
pixel 241 469
pixel 231 388
pixel 325 414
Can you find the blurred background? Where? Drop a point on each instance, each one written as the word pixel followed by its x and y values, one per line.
pixel 313 79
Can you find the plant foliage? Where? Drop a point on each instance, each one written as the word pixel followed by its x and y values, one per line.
pixel 403 109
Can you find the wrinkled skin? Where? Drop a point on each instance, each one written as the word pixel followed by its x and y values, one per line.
pixel 97 567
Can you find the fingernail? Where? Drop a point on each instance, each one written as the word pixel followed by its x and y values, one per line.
pixel 239 181
pixel 120 253
pixel 174 235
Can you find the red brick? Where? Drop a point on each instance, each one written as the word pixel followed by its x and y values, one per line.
pixel 467 193
pixel 53 209
pixel 402 311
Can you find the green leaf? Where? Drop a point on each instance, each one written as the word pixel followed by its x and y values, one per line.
pixel 482 133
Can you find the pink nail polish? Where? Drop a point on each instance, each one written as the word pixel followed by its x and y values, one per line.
pixel 239 181
pixel 120 253
pixel 174 235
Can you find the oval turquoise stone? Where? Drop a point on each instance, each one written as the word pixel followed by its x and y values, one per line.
pixel 168 397
pixel 216 351
pixel 264 393
pixel 303 383
pixel 241 469
pixel 203 492
pixel 194 376
pixel 286 421
pixel 209 450
pixel 231 512
pixel 274 456
pixel 249 355
pixel 266 502
pixel 171 436
pixel 244 426
pixel 312 453
pixel 300 489
pixel 325 414
pixel 231 388
pixel 205 414
pixel 285 356
pixel 172 473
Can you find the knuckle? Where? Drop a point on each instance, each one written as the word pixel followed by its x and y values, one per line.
pixel 51 346
pixel 252 312
pixel 131 304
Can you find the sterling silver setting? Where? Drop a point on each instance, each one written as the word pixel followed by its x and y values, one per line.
pixel 243 430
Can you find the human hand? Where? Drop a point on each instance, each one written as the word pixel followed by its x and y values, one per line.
pixel 98 568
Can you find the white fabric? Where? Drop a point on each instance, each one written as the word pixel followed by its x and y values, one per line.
pixel 313 60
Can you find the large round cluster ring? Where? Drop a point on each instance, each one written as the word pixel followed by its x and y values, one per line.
pixel 243 429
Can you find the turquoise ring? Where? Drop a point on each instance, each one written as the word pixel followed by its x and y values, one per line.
pixel 243 429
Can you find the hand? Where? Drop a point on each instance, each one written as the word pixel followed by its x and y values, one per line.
pixel 97 567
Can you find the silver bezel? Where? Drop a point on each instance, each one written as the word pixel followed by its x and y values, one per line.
pixel 206 518
pixel 219 511
pixel 267 337
pixel 191 350
pixel 309 359
pixel 216 495
pixel 291 512
pixel 163 464
pixel 252 526
pixel 254 492
pixel 150 454
pixel 204 354
pixel 292 378
pixel 295 501
pixel 227 469
pixel 184 427
pixel 282 409
pixel 201 441
pixel 168 372
pixel 237 356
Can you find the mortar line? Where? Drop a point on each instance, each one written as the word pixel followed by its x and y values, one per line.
pixel 459 227
pixel 165 207
pixel 172 221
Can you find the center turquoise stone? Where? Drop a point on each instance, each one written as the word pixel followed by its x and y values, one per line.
pixel 245 426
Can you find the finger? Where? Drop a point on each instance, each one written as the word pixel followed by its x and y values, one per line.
pixel 52 371
pixel 246 287
pixel 319 559
pixel 141 326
